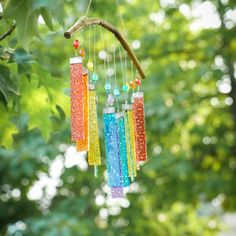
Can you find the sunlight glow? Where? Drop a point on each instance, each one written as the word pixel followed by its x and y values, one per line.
pixel 204 15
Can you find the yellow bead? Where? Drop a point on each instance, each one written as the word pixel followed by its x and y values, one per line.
pixel 90 65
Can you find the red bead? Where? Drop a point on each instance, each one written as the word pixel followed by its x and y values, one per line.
pixel 138 82
pixel 76 44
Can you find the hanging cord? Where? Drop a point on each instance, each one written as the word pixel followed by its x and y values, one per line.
pixel 125 94
pixel 108 67
pixel 89 43
pixel 104 59
pixel 87 11
pixel 122 69
pixel 121 18
pixel 89 57
pixel 82 43
pixel 108 64
pixel 125 68
pixel 116 86
pixel 94 54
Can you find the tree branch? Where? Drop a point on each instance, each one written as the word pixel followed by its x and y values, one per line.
pixel 3 36
pixel 84 22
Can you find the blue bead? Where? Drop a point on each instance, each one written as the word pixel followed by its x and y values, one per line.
pixel 107 87
pixel 125 88
pixel 95 77
pixel 116 92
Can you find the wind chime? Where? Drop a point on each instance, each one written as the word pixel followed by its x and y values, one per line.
pixel 124 126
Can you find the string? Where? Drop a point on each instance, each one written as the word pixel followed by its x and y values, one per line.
pixel 109 80
pixel 121 18
pixel 87 11
pixel 104 62
pixel 94 40
pixel 122 69
pixel 125 94
pixel 125 68
pixel 89 43
pixel 82 43
pixel 116 87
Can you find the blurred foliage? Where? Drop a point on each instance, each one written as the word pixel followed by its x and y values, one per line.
pixel 189 180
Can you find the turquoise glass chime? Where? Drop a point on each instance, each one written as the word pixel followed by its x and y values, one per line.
pixel 124 131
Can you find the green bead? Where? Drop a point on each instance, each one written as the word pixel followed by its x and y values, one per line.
pixel 95 77
pixel 125 88
pixel 116 92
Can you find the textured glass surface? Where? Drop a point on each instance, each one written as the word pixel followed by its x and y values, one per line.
pixel 117 192
pixel 129 130
pixel 76 95
pixel 94 157
pixel 82 145
pixel 112 150
pixel 139 126
pixel 123 155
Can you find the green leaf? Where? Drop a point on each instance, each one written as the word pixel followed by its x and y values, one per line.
pixel 61 112
pixel 47 17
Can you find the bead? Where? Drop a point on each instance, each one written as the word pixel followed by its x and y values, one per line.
pixel 90 65
pixel 110 100
pixel 76 44
pixel 116 92
pixel 107 87
pixel 95 77
pixel 125 88
pixel 132 84
pixel 82 52
pixel 138 82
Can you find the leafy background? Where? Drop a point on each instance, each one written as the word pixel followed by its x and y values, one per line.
pixel 188 185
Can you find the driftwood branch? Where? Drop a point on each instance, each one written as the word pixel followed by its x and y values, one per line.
pixel 84 22
pixel 3 36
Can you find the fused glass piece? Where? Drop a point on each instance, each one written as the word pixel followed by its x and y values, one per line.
pixel 130 140
pixel 82 52
pixel 76 97
pixel 90 65
pixel 117 192
pixel 122 149
pixel 110 100
pixel 83 145
pixel 76 44
pixel 139 126
pixel 116 92
pixel 112 147
pixel 125 88
pixel 95 77
pixel 107 87
pixel 94 156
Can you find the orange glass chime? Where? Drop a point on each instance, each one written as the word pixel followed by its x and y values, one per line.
pixel 84 127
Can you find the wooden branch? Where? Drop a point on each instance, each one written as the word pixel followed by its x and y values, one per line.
pixel 84 22
pixel 3 36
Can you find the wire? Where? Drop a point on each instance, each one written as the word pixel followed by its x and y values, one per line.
pixel 122 69
pixel 121 18
pixel 104 62
pixel 125 68
pixel 94 40
pixel 87 11
pixel 89 44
